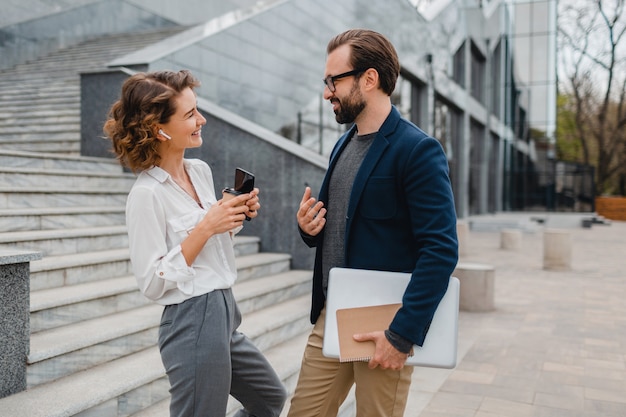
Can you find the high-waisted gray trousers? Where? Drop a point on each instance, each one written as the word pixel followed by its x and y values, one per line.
pixel 206 359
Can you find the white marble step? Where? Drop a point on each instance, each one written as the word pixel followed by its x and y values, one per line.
pixel 95 391
pixel 19 129
pixel 246 245
pixel 59 196
pixel 56 307
pixel 261 264
pixel 61 306
pixel 67 241
pixel 262 292
pixel 49 218
pixel 60 119
pixel 17 114
pixel 27 92
pixel 41 107
pixel 33 177
pixel 105 336
pixel 38 160
pixel 57 271
pixel 280 321
pixel 42 101
pixel 66 144
pixel 65 350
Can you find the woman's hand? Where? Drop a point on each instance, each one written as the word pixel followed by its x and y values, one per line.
pixel 253 204
pixel 226 214
pixel 222 217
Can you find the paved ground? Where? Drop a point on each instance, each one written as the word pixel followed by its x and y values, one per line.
pixel 554 347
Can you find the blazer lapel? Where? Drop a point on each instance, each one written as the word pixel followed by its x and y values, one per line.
pixel 376 151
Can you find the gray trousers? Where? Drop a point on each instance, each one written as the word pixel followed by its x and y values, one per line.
pixel 206 359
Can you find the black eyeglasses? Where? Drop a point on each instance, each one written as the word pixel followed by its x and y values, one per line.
pixel 330 80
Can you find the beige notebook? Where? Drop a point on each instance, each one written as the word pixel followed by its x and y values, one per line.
pixel 362 320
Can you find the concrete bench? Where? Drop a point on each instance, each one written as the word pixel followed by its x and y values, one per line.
pixel 477 286
pixel 557 249
pixel 510 239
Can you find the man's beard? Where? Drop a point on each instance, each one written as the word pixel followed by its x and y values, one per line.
pixel 350 107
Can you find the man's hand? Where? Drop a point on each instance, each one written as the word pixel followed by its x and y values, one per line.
pixel 386 356
pixel 311 214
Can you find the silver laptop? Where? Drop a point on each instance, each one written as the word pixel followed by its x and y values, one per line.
pixel 350 288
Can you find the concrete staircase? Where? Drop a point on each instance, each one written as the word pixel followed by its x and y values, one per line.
pixel 93 335
pixel 40 100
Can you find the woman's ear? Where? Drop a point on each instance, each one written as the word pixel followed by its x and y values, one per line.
pixel 165 135
pixel 162 136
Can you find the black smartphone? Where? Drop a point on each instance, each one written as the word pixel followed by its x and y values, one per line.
pixel 244 181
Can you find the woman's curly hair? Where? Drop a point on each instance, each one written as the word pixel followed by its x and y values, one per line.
pixel 146 100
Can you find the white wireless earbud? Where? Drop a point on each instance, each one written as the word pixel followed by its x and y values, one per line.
pixel 165 135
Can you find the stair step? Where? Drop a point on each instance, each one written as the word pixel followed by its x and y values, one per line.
pixel 39 160
pixel 63 146
pixel 73 119
pixel 10 113
pixel 262 292
pixel 57 271
pixel 278 322
pixel 56 307
pixel 246 245
pixel 16 197
pixel 48 218
pixel 38 128
pixel 71 269
pixel 66 241
pixel 61 306
pixel 31 177
pixel 99 389
pixel 261 264
pixel 44 102
pixel 62 351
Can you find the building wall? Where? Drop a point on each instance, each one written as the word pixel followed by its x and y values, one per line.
pixel 264 62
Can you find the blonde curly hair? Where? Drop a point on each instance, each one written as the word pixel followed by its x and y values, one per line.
pixel 147 99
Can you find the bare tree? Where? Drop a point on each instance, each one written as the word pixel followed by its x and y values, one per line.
pixel 592 47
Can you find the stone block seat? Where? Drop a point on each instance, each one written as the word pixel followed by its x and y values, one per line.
pixel 477 286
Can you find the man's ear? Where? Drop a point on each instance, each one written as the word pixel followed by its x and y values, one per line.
pixel 371 79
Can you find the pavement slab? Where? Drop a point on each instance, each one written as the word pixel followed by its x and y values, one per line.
pixel 554 346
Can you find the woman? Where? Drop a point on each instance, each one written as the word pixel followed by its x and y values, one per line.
pixel 181 250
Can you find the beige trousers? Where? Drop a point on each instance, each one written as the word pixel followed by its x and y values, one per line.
pixel 324 383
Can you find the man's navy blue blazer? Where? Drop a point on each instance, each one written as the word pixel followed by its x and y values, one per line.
pixel 401 217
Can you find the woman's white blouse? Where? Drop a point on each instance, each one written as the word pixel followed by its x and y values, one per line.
pixel 159 216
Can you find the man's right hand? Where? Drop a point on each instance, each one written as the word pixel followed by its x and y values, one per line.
pixel 311 214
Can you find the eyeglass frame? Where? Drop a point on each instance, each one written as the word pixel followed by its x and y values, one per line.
pixel 330 80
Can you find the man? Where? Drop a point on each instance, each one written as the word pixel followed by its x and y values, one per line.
pixel 385 204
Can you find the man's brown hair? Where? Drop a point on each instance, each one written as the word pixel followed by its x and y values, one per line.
pixel 370 50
